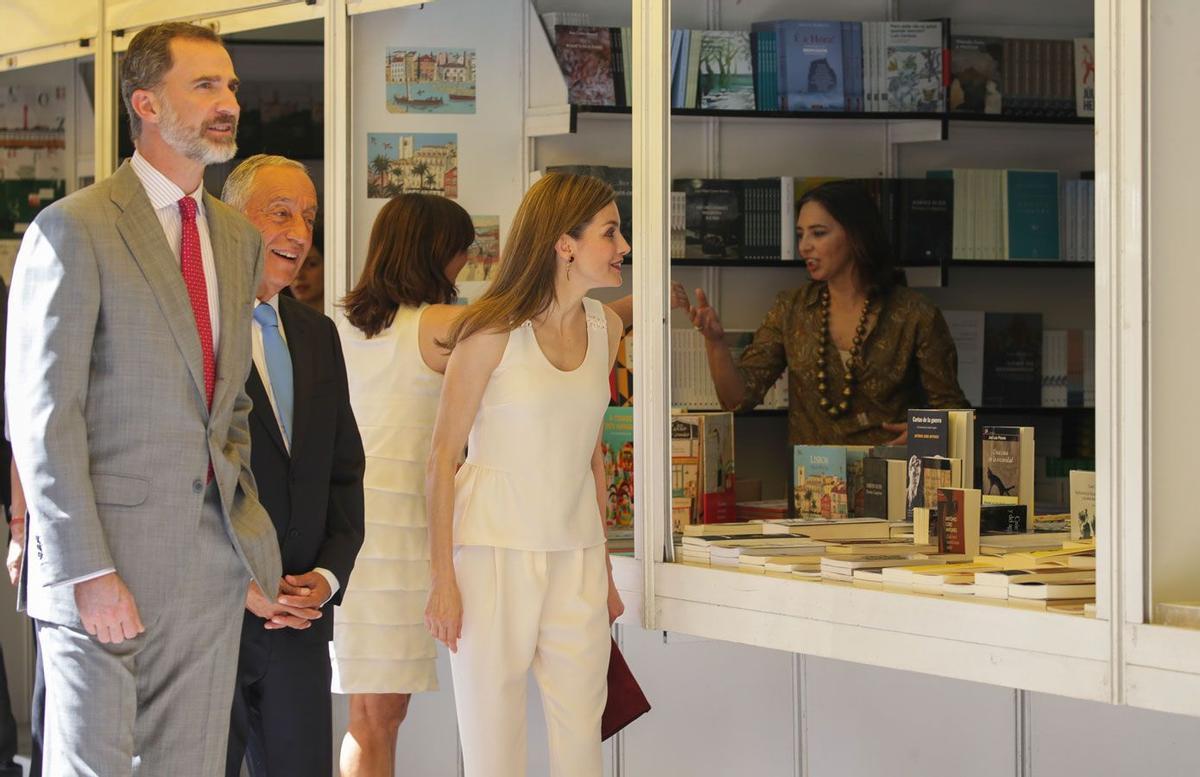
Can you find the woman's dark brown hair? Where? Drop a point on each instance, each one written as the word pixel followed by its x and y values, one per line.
pixel 851 206
pixel 413 240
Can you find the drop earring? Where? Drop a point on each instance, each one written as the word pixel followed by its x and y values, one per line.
pixel 570 262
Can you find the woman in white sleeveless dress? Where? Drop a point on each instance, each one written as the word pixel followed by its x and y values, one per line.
pixel 381 651
pixel 521 578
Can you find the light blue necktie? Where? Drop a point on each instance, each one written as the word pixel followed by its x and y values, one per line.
pixel 279 365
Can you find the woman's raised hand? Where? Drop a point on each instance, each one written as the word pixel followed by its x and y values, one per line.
pixel 703 315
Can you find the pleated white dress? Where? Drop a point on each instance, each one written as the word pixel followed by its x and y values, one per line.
pixel 380 644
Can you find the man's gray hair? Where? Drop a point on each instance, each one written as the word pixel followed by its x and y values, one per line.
pixel 236 191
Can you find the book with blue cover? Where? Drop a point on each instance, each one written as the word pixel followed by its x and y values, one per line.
pixel 811 73
pixel 1031 215
pixel 820 484
pixel 765 64
pixel 852 69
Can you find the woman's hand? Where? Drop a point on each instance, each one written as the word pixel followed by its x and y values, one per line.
pixel 616 607
pixel 901 432
pixel 703 316
pixel 444 614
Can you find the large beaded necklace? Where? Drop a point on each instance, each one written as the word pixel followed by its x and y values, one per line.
pixel 824 339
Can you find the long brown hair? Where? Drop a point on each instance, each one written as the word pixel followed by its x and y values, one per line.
pixel 413 240
pixel 556 205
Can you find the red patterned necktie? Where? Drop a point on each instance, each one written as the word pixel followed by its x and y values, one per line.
pixel 193 275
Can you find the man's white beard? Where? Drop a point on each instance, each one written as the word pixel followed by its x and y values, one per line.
pixel 192 143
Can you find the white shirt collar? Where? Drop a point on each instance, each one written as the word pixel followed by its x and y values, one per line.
pixel 162 191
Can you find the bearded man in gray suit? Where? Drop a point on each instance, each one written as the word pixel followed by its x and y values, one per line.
pixel 129 349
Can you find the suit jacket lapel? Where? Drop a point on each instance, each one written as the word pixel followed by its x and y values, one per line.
pixel 303 369
pixel 142 233
pixel 263 411
pixel 227 258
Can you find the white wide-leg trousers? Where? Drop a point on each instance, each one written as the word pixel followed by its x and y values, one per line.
pixel 523 610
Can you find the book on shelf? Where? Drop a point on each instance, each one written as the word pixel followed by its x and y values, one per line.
pixel 553 19
pixel 852 65
pixel 585 56
pixel 939 472
pixel 1008 465
pixel 800 554
pixel 616 448
pixel 702 464
pixel 1039 558
pixel 945 433
pixel 1012 359
pixel 810 66
pixel 912 62
pixel 997 583
pixel 928 435
pixel 833 530
pixel 726 78
pixel 763 510
pixel 958 518
pixel 1085 76
pixel 734 528
pixel 820 481
pixel 918 214
pixel 1064 606
pixel 1083 505
pixel 1003 544
pixel 1068 368
pixel 731 219
pixel 1004 214
pixel 856 456
pixel 1077 216
pixel 842 568
pixel 1031 214
pixel 1039 77
pixel 804 66
pixel 976 74
pixel 1055 587
pixel 874 545
pixel 905 577
pixel 1004 520
pixel 883 488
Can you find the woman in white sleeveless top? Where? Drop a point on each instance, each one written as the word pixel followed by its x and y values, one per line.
pixel 381 651
pixel 521 578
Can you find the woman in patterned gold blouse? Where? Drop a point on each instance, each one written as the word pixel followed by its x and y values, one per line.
pixel 859 349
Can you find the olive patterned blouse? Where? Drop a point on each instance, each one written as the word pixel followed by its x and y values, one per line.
pixel 907 360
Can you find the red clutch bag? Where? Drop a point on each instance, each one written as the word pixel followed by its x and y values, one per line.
pixel 626 702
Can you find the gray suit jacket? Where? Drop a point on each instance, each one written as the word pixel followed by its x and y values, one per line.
pixel 105 389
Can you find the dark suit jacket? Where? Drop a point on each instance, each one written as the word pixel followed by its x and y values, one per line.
pixel 315 495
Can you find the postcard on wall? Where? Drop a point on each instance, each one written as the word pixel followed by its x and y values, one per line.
pixel 484 253
pixel 426 163
pixel 421 80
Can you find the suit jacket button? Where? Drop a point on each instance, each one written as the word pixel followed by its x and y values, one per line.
pixel 197 486
pixel 294 533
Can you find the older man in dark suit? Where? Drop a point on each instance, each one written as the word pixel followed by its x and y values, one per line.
pixel 307 458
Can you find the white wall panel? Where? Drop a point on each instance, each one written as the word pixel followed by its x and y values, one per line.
pixel 719 709
pixel 31 24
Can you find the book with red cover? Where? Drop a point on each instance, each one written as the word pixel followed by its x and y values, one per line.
pixel 626 702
